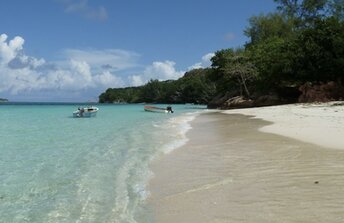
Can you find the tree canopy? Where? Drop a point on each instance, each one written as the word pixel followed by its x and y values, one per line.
pixel 193 87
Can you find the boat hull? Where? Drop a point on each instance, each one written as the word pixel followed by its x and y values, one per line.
pixel 86 112
pixel 155 109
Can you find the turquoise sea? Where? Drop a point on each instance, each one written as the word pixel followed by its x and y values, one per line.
pixel 55 168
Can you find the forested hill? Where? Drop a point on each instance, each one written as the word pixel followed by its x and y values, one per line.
pixel 193 87
pixel 295 53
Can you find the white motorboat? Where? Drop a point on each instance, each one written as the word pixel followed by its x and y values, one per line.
pixel 86 112
pixel 157 109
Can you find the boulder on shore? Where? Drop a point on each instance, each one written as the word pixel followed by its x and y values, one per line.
pixel 238 102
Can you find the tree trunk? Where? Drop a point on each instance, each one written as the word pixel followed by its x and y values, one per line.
pixel 244 83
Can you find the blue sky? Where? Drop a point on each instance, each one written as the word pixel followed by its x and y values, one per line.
pixel 72 50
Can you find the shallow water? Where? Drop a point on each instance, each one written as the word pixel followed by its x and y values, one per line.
pixel 55 168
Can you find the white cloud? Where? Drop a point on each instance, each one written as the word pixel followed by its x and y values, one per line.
pixel 8 51
pixel 157 70
pixel 83 8
pixel 205 62
pixel 206 58
pixel 79 73
pixel 136 80
pixel 21 61
pixel 112 59
pixel 21 74
pixel 108 79
pixel 162 71
pixel 17 43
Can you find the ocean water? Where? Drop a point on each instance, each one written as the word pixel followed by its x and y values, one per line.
pixel 55 168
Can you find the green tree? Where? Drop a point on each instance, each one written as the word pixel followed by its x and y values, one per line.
pixel 151 92
pixel 321 48
pixel 336 9
pixel 194 87
pixel 264 27
pixel 233 69
pixel 303 9
pixel 306 12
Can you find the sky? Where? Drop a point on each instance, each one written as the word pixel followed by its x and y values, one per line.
pixel 73 50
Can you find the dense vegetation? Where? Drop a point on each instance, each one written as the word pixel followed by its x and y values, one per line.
pixel 301 42
pixel 193 87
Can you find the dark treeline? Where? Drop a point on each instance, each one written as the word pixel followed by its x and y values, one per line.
pixel 294 53
pixel 193 87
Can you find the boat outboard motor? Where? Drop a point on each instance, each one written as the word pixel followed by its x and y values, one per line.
pixel 81 112
pixel 169 109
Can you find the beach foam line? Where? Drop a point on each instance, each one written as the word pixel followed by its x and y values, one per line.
pixel 182 126
pixel 317 123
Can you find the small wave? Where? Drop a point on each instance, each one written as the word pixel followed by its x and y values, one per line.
pixel 180 125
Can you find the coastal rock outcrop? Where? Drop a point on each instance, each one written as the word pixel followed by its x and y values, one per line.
pixel 226 102
pixel 219 100
pixel 267 100
pixel 238 102
pixel 306 93
pixel 322 92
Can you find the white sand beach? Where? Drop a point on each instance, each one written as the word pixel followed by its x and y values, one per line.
pixel 229 171
pixel 318 123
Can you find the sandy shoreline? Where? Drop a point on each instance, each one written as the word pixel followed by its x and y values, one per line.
pixel 231 172
pixel 318 123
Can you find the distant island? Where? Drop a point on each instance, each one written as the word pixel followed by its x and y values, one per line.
pixel 3 100
pixel 294 54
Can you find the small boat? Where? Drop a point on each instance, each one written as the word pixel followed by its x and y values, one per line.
pixel 86 112
pixel 168 109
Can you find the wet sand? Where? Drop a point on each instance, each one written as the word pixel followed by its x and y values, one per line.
pixel 231 172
